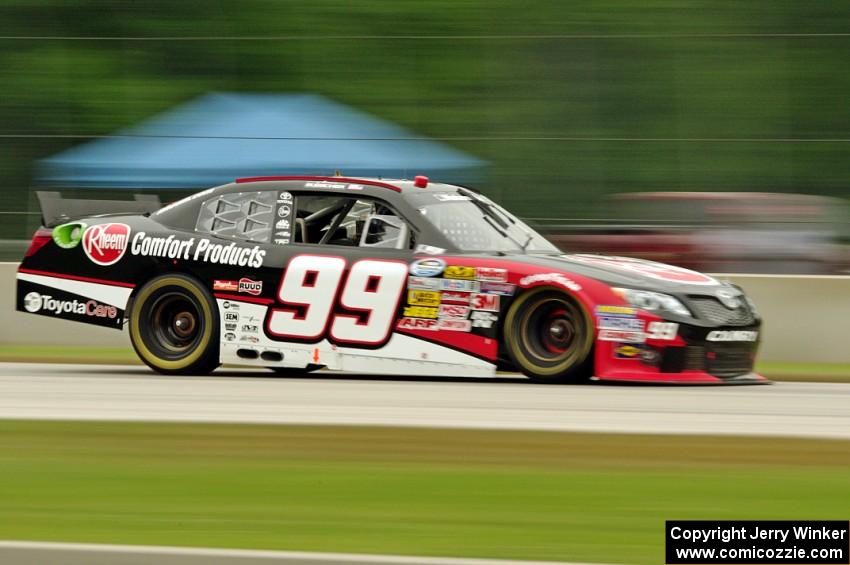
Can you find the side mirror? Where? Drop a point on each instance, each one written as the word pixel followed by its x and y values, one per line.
pixel 385 231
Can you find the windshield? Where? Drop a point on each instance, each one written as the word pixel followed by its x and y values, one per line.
pixel 475 223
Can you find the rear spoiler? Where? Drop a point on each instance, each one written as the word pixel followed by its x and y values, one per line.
pixel 56 210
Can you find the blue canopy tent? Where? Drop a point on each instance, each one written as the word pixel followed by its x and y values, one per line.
pixel 220 137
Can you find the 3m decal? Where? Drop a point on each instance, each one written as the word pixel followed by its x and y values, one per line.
pixel 453 311
pixel 459 272
pixel 492 274
pixel 488 302
pixel 423 298
pixel 249 286
pixel 732 335
pixel 420 312
pixel 225 286
pixel 365 310
pixel 460 285
pixel 451 297
pixel 557 279
pixel 105 244
pixel 621 335
pixel 454 325
pixel 427 267
pixel 662 330
pixel 417 324
pixel 504 289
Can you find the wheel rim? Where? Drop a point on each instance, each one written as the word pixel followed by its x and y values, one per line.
pixel 553 331
pixel 175 323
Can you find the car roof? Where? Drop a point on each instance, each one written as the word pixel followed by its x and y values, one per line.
pixel 339 184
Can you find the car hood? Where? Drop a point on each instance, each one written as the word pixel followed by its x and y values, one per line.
pixel 626 272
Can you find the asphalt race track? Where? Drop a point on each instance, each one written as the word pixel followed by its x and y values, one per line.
pixel 134 393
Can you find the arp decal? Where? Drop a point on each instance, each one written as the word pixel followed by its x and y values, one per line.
pixel 417 324
pixel 105 244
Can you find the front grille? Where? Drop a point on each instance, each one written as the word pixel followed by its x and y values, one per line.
pixel 720 360
pixel 729 360
pixel 712 310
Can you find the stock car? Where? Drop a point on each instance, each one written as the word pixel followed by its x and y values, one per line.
pixel 406 277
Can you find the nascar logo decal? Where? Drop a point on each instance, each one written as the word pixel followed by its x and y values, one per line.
pixel 105 244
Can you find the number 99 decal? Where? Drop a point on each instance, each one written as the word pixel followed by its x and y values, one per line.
pixel 309 295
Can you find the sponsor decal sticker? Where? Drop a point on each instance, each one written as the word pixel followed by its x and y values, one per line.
pixel 422 283
pixel 492 274
pixel 36 302
pixel 460 285
pixel 487 302
pixel 453 311
pixel 662 330
pixel 228 305
pixel 423 298
pixel 429 249
pixel 250 338
pixel 284 196
pixel 627 351
pixel 557 279
pixel 504 289
pixel 68 236
pixel 105 244
pixel 459 272
pixel 417 324
pixel 451 297
pixel 420 312
pixel 225 286
pixel 482 319
pixel 249 286
pixel 620 323
pixel 195 250
pixel 427 267
pixel 229 336
pixel 454 325
pixel 732 335
pixel 616 310
pixel 621 335
pixel 230 326
pixel 250 328
pixel 231 317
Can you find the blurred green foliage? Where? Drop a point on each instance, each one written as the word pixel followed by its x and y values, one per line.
pixel 569 100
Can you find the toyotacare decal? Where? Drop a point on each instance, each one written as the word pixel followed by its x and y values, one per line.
pixel 105 244
pixel 37 302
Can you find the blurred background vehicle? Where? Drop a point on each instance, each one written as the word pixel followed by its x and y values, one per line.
pixel 550 111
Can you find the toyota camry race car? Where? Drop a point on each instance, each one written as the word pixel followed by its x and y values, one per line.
pixel 396 277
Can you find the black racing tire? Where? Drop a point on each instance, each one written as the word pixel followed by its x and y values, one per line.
pixel 174 326
pixel 548 335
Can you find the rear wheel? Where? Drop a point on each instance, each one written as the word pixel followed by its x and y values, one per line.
pixel 174 326
pixel 549 337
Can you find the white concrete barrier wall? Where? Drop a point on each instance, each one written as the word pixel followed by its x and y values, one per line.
pixel 807 318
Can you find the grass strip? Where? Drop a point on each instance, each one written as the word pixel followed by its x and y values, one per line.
pixel 524 495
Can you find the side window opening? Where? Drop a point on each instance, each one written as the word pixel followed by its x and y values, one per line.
pixel 239 215
pixel 352 222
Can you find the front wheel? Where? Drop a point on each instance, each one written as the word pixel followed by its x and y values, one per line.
pixel 174 326
pixel 549 337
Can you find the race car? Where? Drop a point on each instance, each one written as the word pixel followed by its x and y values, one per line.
pixel 401 277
